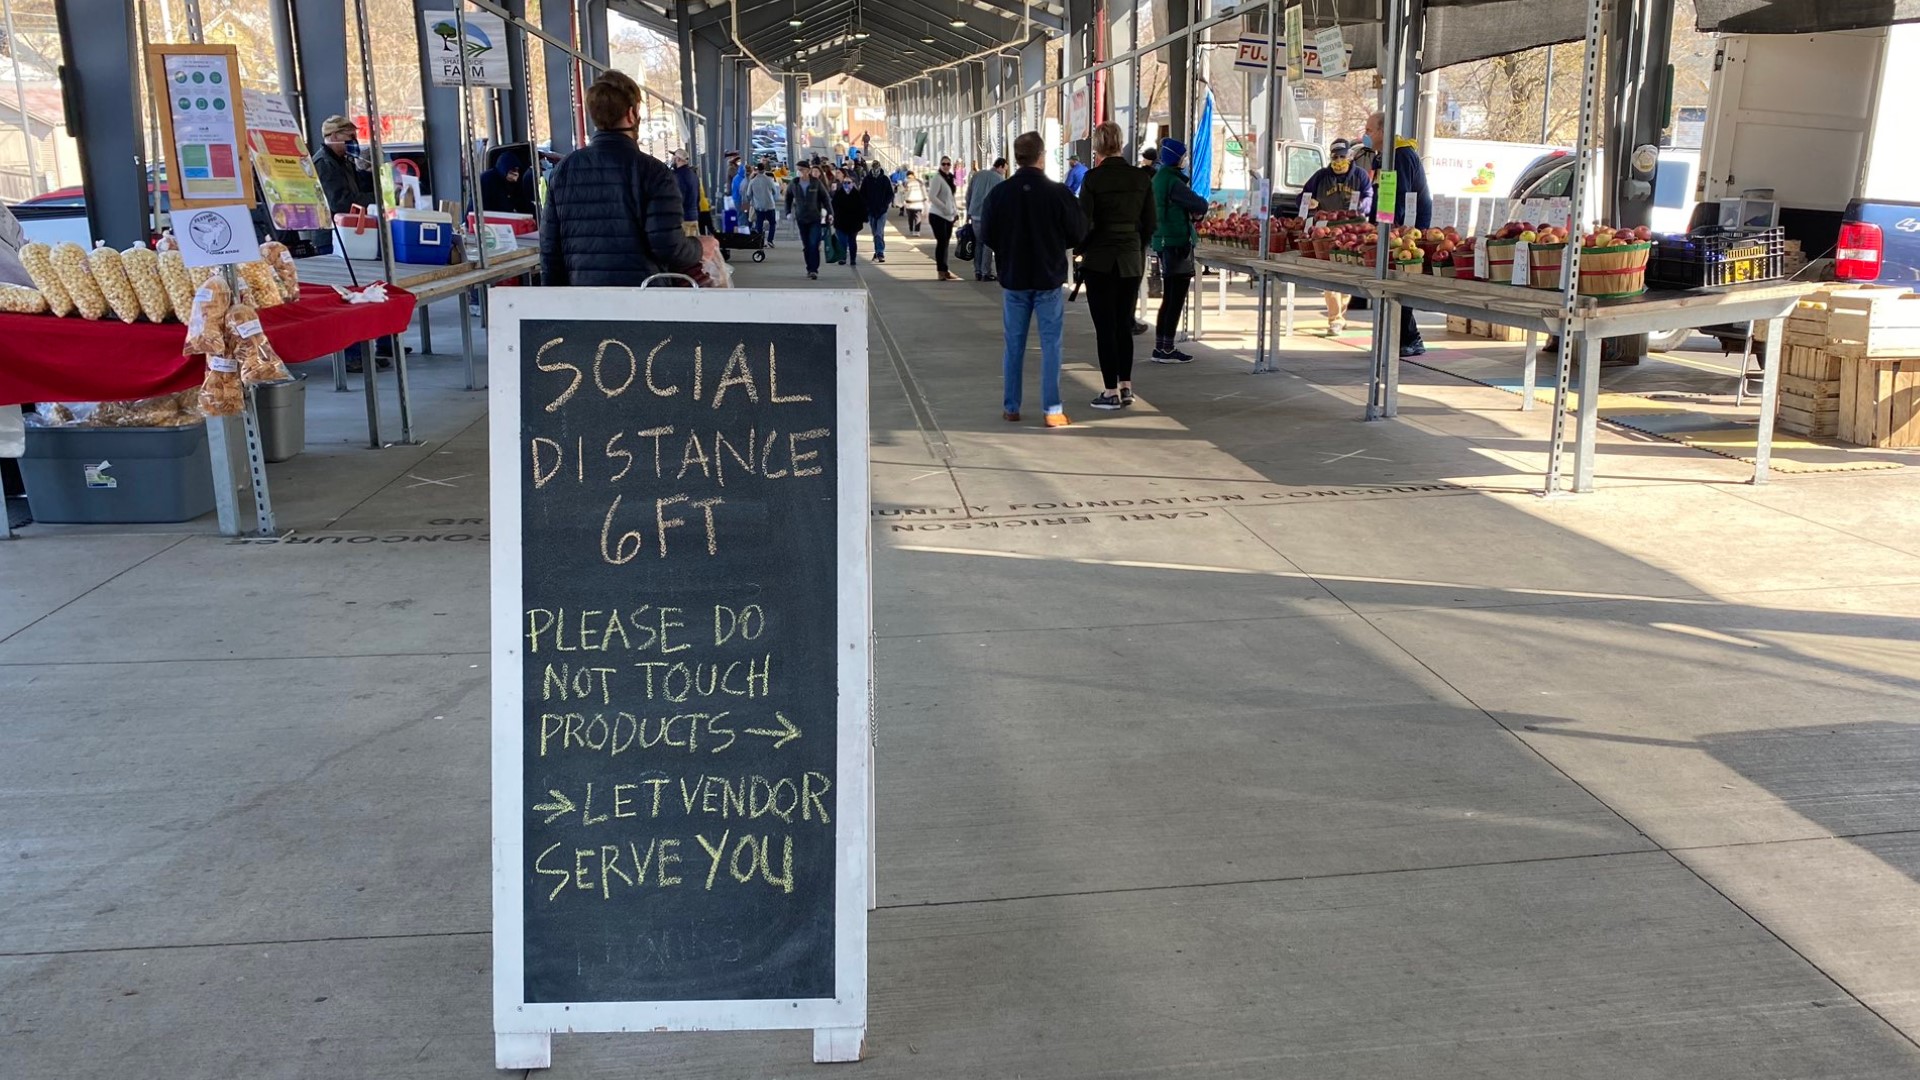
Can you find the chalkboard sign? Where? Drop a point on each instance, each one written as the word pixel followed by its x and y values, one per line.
pixel 681 758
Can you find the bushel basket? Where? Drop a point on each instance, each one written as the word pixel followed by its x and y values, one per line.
pixel 1545 263
pixel 1614 273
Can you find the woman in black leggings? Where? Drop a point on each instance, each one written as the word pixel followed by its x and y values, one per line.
pixel 942 210
pixel 1118 201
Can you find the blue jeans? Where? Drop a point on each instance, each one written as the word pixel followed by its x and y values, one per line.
pixel 878 222
pixel 810 237
pixel 850 241
pixel 1017 308
pixel 763 224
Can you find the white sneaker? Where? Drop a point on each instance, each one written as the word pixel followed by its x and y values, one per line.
pixel 1335 327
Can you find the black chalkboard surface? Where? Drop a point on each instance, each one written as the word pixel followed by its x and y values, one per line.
pixel 679 542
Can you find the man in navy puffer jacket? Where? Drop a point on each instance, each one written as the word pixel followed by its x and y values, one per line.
pixel 613 211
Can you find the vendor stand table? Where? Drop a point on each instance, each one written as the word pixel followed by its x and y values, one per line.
pixel 428 283
pixel 44 358
pixel 1541 311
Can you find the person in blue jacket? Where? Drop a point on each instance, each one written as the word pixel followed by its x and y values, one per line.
pixel 1076 174
pixel 1413 205
pixel 689 186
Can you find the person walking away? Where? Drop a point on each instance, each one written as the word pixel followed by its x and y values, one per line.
pixel 849 208
pixel 1413 205
pixel 1339 187
pixel 877 190
pixel 807 206
pixel 866 144
pixel 347 182
pixel 1174 207
pixel 979 187
pixel 1031 223
pixel 1118 202
pixel 500 187
pixel 689 186
pixel 764 196
pixel 615 213
pixel 1076 174
pixel 913 198
pixel 942 211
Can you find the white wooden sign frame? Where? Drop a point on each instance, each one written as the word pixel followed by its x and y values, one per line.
pixel 523 1030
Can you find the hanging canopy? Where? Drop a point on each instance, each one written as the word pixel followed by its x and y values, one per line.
pixel 1203 152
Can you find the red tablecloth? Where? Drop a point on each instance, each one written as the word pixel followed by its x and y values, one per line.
pixel 43 358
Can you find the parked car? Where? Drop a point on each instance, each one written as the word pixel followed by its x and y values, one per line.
pixel 1879 243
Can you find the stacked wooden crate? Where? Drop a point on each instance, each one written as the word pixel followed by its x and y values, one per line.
pixel 1809 375
pixel 1457 324
pixel 1876 336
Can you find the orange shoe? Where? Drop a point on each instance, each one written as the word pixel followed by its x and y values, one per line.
pixel 1058 419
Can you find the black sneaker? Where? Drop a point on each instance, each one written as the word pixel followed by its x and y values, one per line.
pixel 812 276
pixel 1140 328
pixel 1418 348
pixel 1126 397
pixel 1109 401
pixel 1171 356
pixel 879 258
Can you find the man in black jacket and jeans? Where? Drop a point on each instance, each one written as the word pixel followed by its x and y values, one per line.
pixel 613 211
pixel 1031 223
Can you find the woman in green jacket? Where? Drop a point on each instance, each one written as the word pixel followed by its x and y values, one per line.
pixel 1175 205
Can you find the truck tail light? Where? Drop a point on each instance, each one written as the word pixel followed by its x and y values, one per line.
pixel 1857 256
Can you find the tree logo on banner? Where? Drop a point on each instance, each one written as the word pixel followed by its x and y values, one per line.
pixel 449 35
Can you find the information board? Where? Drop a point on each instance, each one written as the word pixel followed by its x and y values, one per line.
pixel 681 747
pixel 203 122
pixel 485 53
pixel 282 164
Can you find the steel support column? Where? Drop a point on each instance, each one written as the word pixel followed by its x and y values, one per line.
pixel 101 45
pixel 706 102
pixel 1179 74
pixel 1033 75
pixel 593 30
pixel 790 88
pixel 514 100
pixel 446 135
pixel 556 18
pixel 322 50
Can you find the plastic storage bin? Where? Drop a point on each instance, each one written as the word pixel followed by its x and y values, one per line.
pixel 1719 255
pixel 117 476
pixel 422 236
pixel 283 417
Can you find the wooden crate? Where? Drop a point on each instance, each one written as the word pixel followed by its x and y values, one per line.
pixel 1800 421
pixel 1807 325
pixel 1817 365
pixel 1457 324
pixel 1873 325
pixel 1880 402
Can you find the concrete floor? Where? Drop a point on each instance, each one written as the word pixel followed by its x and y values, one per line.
pixel 1321 749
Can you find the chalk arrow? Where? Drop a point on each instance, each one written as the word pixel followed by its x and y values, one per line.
pixel 782 737
pixel 561 805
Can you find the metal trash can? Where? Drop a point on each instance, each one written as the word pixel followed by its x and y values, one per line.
pixel 283 417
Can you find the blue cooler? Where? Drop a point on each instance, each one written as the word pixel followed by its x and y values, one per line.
pixel 422 236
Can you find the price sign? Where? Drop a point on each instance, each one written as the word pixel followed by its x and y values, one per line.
pixel 1522 265
pixel 1386 196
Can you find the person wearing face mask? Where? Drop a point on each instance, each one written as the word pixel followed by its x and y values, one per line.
pixel 345 175
pixel 807 206
pixel 1339 186
pixel 849 215
pixel 1413 205
pixel 614 213
pixel 347 181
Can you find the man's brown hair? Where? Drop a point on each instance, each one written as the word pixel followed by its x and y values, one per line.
pixel 1028 149
pixel 611 97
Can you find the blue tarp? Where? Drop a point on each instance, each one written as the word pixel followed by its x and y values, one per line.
pixel 1203 152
